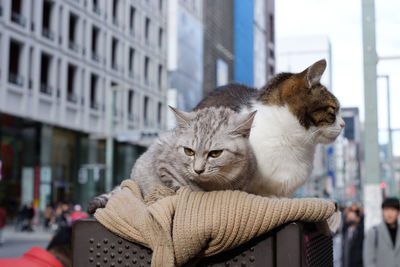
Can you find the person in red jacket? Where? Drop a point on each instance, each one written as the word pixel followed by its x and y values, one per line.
pixel 3 216
pixel 58 253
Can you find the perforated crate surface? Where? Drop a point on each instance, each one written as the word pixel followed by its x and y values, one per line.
pixel 94 245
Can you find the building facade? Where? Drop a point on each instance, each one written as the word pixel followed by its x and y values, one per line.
pixel 254 42
pixel 294 54
pixel 239 42
pixel 58 60
pixel 185 52
pixel 218 43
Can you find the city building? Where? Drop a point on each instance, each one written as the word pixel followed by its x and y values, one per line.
pixel 254 42
pixel 294 54
pixel 347 176
pixel 218 43
pixel 59 59
pixel 185 52
pixel 239 42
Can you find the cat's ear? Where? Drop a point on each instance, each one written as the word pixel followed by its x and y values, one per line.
pixel 243 125
pixel 182 118
pixel 314 73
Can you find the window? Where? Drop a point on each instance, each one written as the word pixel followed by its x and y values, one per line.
pixel 114 104
pixel 271 70
pixel 46 20
pixel 146 70
pixel 71 80
pixel 73 21
pixel 160 4
pixel 58 94
pixel 95 37
pixel 131 62
pixel 145 110
pixel 132 21
pixel 60 23
pixel 160 37
pixel 147 30
pixel 159 114
pixel 271 28
pixel 30 69
pixel 115 12
pixel 16 12
pixel 114 46
pixel 160 68
pixel 130 104
pixel 96 8
pixel 14 75
pixel 44 74
pixel 93 91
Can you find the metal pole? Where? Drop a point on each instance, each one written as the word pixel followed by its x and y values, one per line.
pixel 110 139
pixel 393 189
pixel 372 191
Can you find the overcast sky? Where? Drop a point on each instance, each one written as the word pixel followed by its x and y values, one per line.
pixel 340 20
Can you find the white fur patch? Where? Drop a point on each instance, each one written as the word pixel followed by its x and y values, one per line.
pixel 284 151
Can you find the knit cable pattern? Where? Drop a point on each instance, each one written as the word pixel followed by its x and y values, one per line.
pixel 185 225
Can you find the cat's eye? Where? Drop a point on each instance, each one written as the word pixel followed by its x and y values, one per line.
pixel 215 153
pixel 188 151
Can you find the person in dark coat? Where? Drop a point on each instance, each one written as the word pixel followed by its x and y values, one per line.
pixel 382 242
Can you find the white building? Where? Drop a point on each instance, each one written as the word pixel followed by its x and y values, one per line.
pixel 57 60
pixel 294 54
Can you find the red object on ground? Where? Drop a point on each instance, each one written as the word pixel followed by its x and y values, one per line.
pixel 3 216
pixel 76 215
pixel 35 257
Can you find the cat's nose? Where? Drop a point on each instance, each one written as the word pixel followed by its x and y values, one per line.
pixel 199 171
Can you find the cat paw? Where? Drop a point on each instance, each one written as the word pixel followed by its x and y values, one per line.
pixel 96 203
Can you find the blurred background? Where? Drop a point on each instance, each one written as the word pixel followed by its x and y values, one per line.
pixel 85 85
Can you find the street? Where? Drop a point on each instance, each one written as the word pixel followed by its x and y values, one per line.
pixel 17 243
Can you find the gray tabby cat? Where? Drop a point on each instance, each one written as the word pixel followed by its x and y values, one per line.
pixel 209 150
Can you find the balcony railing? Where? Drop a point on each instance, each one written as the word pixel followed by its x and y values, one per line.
pixel 18 18
pixel 73 46
pixel 16 79
pixel 115 21
pixel 48 34
pixel 95 57
pixel 94 105
pixel 96 10
pixel 71 97
pixel 114 66
pixel 46 89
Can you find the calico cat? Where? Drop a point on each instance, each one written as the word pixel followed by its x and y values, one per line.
pixel 209 150
pixel 295 112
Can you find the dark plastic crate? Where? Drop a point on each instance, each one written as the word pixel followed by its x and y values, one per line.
pixel 294 244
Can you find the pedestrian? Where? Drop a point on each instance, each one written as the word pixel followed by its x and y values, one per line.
pixel 48 215
pixel 353 238
pixel 382 242
pixel 58 253
pixel 3 216
pixel 78 213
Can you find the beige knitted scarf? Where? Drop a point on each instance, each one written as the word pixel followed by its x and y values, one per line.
pixel 184 225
